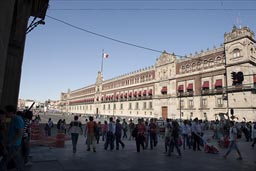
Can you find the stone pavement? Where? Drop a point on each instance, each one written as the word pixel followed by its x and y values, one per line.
pixel 62 159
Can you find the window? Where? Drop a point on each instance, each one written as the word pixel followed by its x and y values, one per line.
pixel 236 53
pixel 104 107
pixel 190 103
pixel 130 106
pixel 182 103
pixel 121 106
pixel 219 102
pixel 204 102
pixel 150 105
pixel 114 106
pixel 108 106
pixel 137 106
pixel 144 105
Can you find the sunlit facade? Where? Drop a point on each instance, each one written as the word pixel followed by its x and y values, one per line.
pixel 199 85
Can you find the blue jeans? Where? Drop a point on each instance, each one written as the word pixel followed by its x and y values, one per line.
pixel 231 146
pixel 186 141
pixel 74 138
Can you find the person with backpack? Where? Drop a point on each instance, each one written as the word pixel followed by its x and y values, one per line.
pixel 75 128
pixel 233 141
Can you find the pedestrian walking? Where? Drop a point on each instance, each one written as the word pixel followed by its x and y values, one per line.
pixel 140 136
pixel 152 132
pixel 91 140
pixel 233 141
pixel 104 129
pixel 49 127
pixel 196 134
pixel 75 128
pixel 185 131
pixel 174 140
pixel 253 134
pixel 118 134
pixel 131 128
pixel 125 128
pixel 110 135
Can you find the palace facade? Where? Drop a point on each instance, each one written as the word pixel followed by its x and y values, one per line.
pixel 220 82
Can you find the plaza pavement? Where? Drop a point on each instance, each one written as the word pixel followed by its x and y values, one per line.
pixel 62 159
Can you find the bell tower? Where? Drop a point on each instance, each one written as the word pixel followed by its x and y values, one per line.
pixel 240 51
pixel 240 56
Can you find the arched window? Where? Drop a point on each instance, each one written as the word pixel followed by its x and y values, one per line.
pixel 193 66
pixel 187 67
pixel 236 53
pixel 211 61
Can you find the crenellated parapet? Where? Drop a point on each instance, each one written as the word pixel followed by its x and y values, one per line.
pixel 238 33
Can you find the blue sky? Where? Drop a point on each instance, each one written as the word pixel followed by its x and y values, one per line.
pixel 58 57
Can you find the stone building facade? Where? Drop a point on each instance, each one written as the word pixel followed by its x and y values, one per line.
pixel 199 85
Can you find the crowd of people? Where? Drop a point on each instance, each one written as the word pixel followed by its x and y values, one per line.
pixel 14 138
pixel 15 131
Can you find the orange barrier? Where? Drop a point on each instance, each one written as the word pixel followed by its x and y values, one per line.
pixel 35 132
pixel 60 140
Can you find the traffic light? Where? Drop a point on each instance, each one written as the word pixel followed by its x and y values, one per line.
pixel 234 77
pixel 240 77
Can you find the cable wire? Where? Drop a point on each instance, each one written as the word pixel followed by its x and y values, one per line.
pixel 107 37
pixel 152 9
pixel 149 0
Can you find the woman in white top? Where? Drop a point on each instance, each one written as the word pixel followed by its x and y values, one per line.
pixel 75 128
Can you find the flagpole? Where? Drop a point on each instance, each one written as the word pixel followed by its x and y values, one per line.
pixel 102 56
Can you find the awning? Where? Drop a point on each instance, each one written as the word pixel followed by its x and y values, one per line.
pixel 181 88
pixel 205 84
pixel 164 89
pixel 150 92
pixel 144 92
pixel 218 83
pixel 130 94
pixel 135 94
pixel 254 78
pixel 190 86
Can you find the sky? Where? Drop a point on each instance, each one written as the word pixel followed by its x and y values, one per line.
pixel 66 52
